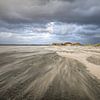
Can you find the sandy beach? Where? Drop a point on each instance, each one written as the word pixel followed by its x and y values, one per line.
pixel 49 73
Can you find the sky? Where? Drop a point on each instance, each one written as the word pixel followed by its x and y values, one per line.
pixel 48 21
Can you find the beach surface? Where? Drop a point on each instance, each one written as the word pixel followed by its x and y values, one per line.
pixel 49 73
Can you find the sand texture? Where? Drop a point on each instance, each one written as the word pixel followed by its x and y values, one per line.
pixel 49 73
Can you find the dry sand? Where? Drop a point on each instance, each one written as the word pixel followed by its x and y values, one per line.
pixel 49 73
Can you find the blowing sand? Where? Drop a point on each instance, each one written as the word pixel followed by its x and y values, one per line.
pixel 49 73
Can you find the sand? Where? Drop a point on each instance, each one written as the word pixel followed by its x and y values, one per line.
pixel 49 73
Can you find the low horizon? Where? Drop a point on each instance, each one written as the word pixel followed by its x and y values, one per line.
pixel 45 43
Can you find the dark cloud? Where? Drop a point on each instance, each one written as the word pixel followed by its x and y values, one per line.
pixel 49 20
pixel 76 11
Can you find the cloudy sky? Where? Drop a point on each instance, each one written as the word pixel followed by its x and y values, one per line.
pixel 47 21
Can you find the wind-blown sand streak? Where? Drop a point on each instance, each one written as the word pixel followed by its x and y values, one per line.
pixel 47 73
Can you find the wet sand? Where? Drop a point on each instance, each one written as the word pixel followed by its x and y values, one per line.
pixel 49 73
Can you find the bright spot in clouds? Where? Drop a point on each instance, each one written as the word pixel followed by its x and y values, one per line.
pixel 50 27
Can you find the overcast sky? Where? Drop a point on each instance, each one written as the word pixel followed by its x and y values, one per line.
pixel 47 21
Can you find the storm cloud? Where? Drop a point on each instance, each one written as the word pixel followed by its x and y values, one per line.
pixel 79 11
pixel 59 20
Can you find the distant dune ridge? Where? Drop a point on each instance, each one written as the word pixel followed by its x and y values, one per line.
pixel 49 73
pixel 68 44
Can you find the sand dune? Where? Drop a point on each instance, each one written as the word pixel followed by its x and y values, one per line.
pixel 49 73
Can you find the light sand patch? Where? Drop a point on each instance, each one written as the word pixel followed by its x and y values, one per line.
pixel 94 69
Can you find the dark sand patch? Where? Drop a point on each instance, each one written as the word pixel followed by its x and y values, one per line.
pixel 94 59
